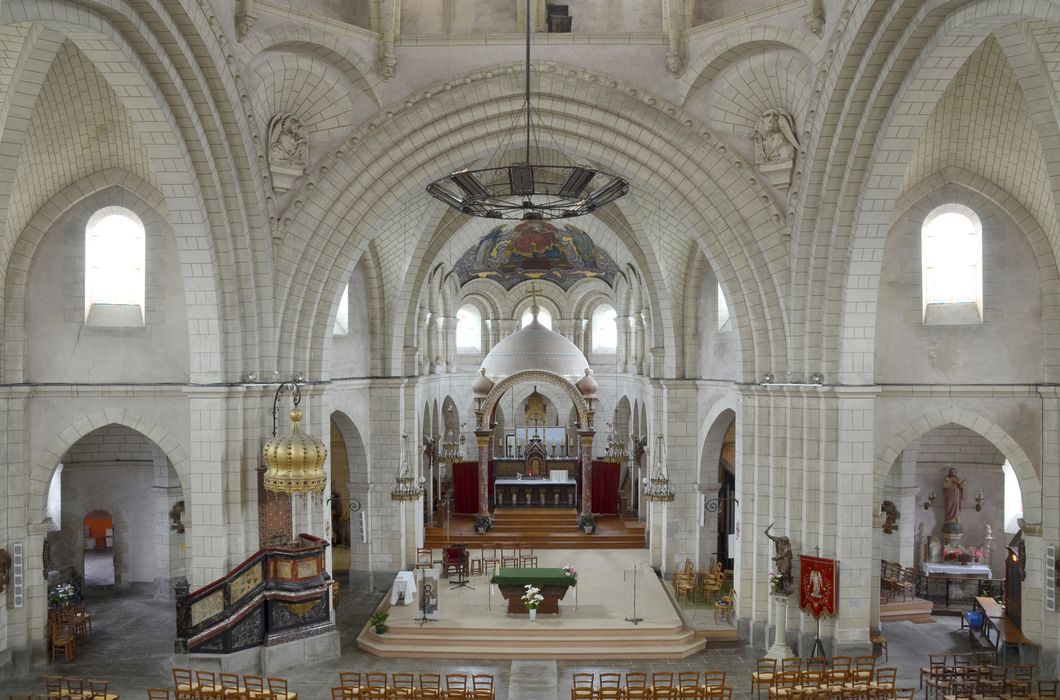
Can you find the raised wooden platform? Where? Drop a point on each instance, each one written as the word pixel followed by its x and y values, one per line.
pixel 543 528
pixel 915 610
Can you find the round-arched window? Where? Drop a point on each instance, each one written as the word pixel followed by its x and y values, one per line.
pixel 115 251
pixel 605 329
pixel 951 244
pixel 468 329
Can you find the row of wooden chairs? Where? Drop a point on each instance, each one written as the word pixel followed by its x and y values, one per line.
pixel 848 684
pixel 944 668
pixel 897 580
pixel 66 624
pixel 423 686
pixel 662 685
pixel 490 558
pixel 72 688
pixel 840 670
pixel 209 685
pixel 706 584
pixel 971 689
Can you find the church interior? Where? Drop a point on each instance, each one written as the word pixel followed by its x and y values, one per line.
pixel 529 341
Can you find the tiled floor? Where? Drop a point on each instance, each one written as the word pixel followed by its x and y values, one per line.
pixel 133 635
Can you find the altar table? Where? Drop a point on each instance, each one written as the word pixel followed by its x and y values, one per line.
pixel 535 491
pixel 966 570
pixel 552 582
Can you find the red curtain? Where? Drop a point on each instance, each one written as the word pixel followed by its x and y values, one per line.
pixel 465 487
pixel 605 487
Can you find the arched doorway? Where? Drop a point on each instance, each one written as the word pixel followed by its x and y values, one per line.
pixel 717 483
pixel 349 482
pixel 98 548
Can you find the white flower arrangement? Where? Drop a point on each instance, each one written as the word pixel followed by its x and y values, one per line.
pixel 532 598
pixel 569 570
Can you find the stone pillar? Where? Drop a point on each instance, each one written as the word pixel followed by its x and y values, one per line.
pixel 585 440
pixel 483 438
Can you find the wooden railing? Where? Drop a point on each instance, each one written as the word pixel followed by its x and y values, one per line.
pixel 278 593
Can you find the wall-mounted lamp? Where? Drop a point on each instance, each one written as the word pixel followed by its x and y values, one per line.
pixel 930 501
pixel 979 501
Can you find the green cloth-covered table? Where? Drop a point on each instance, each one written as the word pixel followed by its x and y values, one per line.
pixel 552 582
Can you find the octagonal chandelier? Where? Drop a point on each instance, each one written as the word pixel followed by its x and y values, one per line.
pixel 527 190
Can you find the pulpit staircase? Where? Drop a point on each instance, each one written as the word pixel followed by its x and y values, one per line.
pixel 543 528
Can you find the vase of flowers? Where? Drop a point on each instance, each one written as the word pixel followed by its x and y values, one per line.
pixel 532 599
pixel 62 595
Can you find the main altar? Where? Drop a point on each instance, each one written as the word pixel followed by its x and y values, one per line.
pixel 553 583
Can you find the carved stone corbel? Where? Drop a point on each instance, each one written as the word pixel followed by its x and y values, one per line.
pixel 815 16
pixel 245 18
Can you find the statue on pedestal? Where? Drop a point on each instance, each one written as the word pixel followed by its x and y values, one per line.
pixel 953 493
pixel 783 561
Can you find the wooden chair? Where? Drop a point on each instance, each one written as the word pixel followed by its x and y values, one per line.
pixel 75 688
pixel 375 686
pixel 783 684
pixel 253 686
pixel 684 585
pixel 350 679
pixel 183 680
pixel 636 687
pixel 278 689
pixel 662 685
pixel 62 640
pixel 713 682
pixel 610 687
pixel 185 694
pixel 207 683
pixel 582 694
pixel 343 693
pixel 879 642
pixel 1020 683
pixel 489 558
pixel 994 681
pixel 54 686
pixel 82 620
pixel 229 684
pixel 455 686
pixel 584 680
pixel 509 555
pixel 97 690
pixel 482 686
pixel 402 686
pixel 791 664
pixel 527 558
pixel 158 694
pixel 763 676
pixel 430 686
pixel 936 668
pixel 1046 689
pixel 724 607
pixel 688 685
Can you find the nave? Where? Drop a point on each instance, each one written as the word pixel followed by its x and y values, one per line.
pixel 132 669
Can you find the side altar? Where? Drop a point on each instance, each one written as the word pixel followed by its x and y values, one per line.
pixel 553 583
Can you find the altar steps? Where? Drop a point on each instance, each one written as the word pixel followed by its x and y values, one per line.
pixel 542 642
pixel 543 528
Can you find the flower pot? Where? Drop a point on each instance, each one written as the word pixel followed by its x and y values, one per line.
pixel 380 629
pixel 533 614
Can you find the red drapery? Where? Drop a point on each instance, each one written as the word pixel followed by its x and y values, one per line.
pixel 605 487
pixel 465 487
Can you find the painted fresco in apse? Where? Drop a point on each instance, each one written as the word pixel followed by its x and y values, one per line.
pixel 535 250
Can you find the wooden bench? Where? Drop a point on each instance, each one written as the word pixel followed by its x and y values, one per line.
pixel 1006 632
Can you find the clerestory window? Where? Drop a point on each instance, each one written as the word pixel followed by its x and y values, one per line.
pixel 468 329
pixel 605 329
pixel 115 279
pixel 952 266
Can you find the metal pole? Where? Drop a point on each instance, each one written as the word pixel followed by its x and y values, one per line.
pixel 527 81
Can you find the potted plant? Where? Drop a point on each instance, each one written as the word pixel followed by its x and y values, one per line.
pixel 378 620
pixel 483 524
pixel 587 523
pixel 62 595
pixel 532 599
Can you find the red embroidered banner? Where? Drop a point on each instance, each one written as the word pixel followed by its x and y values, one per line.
pixel 817 582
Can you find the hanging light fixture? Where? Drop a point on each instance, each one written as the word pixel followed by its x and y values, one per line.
pixel 658 488
pixel 294 463
pixel 405 486
pixel 528 190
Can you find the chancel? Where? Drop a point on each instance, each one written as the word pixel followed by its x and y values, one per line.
pixel 307 304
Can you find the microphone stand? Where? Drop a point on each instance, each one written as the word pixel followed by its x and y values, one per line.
pixel 461 570
pixel 635 620
pixel 423 601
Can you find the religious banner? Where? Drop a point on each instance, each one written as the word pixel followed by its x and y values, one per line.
pixel 817 582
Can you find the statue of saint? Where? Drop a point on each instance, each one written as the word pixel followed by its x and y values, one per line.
pixel 953 493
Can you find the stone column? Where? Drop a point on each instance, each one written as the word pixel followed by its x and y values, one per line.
pixel 483 438
pixel 585 440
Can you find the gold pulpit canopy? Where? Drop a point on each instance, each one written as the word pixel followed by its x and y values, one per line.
pixel 294 463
